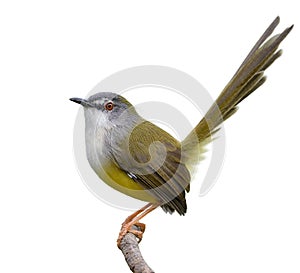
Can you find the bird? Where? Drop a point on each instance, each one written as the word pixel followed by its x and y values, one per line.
pixel 140 159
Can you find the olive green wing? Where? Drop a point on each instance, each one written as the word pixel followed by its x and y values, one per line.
pixel 155 162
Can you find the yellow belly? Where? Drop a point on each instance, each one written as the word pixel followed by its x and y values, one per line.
pixel 120 181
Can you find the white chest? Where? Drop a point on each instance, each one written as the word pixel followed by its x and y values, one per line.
pixel 97 143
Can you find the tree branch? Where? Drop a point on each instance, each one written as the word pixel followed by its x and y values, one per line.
pixel 133 256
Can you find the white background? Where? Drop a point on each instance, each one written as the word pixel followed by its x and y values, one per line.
pixel 54 50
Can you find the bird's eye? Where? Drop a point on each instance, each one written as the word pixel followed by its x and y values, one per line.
pixel 109 106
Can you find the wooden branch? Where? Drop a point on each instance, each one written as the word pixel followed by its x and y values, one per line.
pixel 133 256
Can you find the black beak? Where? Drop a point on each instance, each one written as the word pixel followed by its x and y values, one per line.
pixel 82 102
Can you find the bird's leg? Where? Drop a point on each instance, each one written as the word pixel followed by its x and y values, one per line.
pixel 133 219
pixel 133 215
pixel 126 225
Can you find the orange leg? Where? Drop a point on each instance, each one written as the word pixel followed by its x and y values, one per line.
pixel 133 215
pixel 133 219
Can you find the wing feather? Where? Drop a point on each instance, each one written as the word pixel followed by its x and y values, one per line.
pixel 155 161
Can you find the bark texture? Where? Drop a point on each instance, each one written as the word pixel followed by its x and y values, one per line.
pixel 133 256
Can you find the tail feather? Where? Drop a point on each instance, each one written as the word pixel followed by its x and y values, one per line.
pixel 245 81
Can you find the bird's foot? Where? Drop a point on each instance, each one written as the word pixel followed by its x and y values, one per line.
pixel 136 228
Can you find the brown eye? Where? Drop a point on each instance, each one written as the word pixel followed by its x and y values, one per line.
pixel 109 106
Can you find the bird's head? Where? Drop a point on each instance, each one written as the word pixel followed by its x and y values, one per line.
pixel 106 109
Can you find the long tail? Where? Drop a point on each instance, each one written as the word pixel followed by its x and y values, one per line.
pixel 246 80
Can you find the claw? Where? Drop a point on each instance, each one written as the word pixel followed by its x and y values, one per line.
pixel 129 228
pixel 137 233
pixel 133 220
